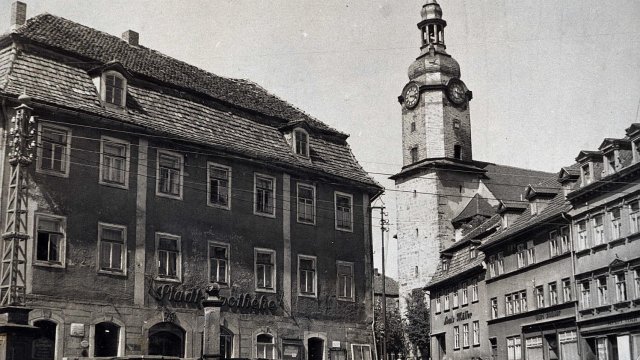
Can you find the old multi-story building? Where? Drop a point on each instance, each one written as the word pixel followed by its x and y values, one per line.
pixel 440 183
pixel 153 178
pixel 606 209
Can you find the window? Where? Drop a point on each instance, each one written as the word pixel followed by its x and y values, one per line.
pixel 457 152
pixel 50 240
pixel 438 303
pixel 500 264
pixel 564 240
pixel 301 139
pixel 265 347
pixel 168 255
pixel 113 249
pixel 568 344
pixel 54 145
pixel 476 333
pixel 492 266
pixel 219 186
pixel 602 291
pixel 265 269
pixel 585 294
pixel 514 350
pixel 582 235
pixel 523 300
pixel 414 154
pixel 509 305
pixel 533 348
pixel 634 215
pixel 344 211
pixel 455 298
pixel 114 88
pixel 636 279
pixel 586 175
pixel 566 290
pixel 553 243
pixel 473 252
pixel 114 162
pixel 521 262
pixel 465 335
pixel 306 204
pixel 307 275
pixel 445 264
pixel 494 308
pixel 446 302
pixel 621 287
pixel 539 296
pixel 345 281
pixel 553 293
pixel 531 253
pixel 602 349
pixel 456 337
pixel 361 352
pixel 265 195
pixel 474 291
pixel 614 216
pixel 598 230
pixel 219 263
pixel 465 294
pixel 611 163
pixel 516 302
pixel 169 176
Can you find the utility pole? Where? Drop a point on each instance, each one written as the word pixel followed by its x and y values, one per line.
pixel 383 229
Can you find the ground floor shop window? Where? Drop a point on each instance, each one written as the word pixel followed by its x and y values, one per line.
pixel 533 350
pixel 226 342
pixel 106 339
pixel 265 347
pixel 44 345
pixel 568 345
pixel 166 339
pixel 514 349
pixel 361 352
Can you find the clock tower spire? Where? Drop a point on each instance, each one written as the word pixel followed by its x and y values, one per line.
pixel 435 103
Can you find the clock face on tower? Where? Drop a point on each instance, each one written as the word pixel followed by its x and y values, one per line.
pixel 411 95
pixel 457 91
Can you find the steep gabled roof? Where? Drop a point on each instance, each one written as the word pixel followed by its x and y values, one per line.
pixel 390 283
pixel 478 205
pixel 508 182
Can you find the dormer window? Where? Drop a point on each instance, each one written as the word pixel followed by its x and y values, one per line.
pixel 301 142
pixel 114 88
pixel 445 264
pixel 611 163
pixel 586 174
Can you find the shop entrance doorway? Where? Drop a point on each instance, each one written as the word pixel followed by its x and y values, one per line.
pixel 315 347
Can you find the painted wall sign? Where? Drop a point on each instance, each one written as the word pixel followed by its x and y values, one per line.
pixel 547 315
pixel 195 296
pixel 461 316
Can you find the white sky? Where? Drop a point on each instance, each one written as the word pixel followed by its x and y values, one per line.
pixel 549 77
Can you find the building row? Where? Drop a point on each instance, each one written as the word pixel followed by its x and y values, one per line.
pixel 153 179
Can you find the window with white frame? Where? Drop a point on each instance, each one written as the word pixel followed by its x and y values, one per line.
pixel 114 162
pixel 539 296
pixel 568 344
pixel 516 303
pixel 446 301
pixel 598 229
pixel 492 266
pixel 582 235
pixel 307 275
pixel 621 287
pixel 520 255
pixel 265 195
pixel 494 308
pixel 523 300
pixel 345 281
pixel 474 290
pixel 586 174
pixel 533 348
pixel 169 174
pixel 565 243
pixel 344 211
pixel 50 240
pixel 614 218
pixel 438 304
pixel 361 352
pixel 500 263
pixel 634 216
pixel 465 335
pixel 265 347
pixel 219 186
pixel 265 269
pixel 456 337
pixel 636 280
pixel 445 264
pixel 54 146
pixel 301 142
pixel 114 88
pixel 476 333
pixel 567 294
pixel 585 294
pixel 553 244
pixel 473 252
pixel 306 204
pixel 465 294
pixel 531 253
pixel 514 348
pixel 219 263
pixel 455 298
pixel 169 257
pixel 553 293
pixel 509 304
pixel 112 240
pixel 603 298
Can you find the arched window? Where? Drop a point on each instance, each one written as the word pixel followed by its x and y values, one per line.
pixel 106 339
pixel 166 339
pixel 265 347
pixel 44 345
pixel 301 142
pixel 114 88
pixel 226 342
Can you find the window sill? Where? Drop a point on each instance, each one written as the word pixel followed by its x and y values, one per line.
pixel 219 206
pixel 583 252
pixel 267 215
pixel 222 285
pixel 603 308
pixel 310 223
pixel 265 290
pixel 308 296
pixel 346 299
pixel 170 280
pixel 344 230
pixel 618 241
pixel 122 274
pixel 53 172
pixel 49 264
pixel 114 185
pixel 599 247
pixel 168 196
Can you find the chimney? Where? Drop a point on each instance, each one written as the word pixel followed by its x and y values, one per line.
pixel 131 37
pixel 18 14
